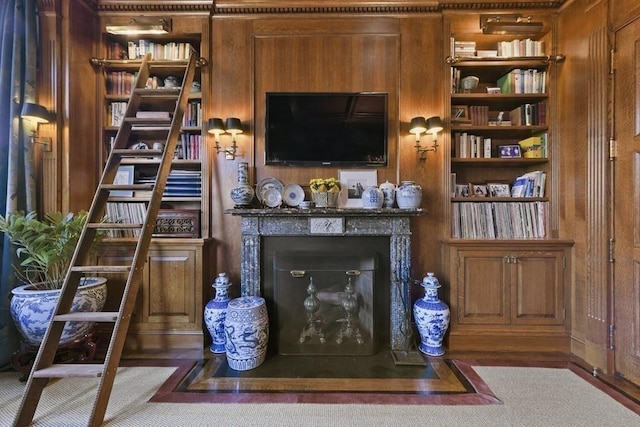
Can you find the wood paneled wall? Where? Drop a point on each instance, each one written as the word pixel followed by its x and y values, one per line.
pixel 400 56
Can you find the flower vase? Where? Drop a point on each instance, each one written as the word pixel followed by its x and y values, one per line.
pixel 432 317
pixel 243 193
pixel 215 313
pixel 325 199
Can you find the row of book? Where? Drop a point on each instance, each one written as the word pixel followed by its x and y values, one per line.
pixel 499 220
pixel 120 82
pixel 468 146
pixel 192 114
pixel 188 147
pixel 136 49
pixel 520 80
pixel 504 49
pixel 125 213
pixel 531 184
pixel 530 114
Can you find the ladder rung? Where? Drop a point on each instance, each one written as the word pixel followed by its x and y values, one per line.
pixel 134 187
pixel 147 121
pixel 113 225
pixel 169 93
pixel 127 152
pixel 101 268
pixel 70 370
pixel 88 316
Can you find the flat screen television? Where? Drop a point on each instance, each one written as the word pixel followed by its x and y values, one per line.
pixel 326 129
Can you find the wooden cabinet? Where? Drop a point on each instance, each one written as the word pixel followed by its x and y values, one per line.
pixel 170 303
pixel 504 295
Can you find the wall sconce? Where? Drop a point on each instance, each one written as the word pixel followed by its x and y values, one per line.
pixel 141 26
pixel 432 125
pixel 233 126
pixel 510 24
pixel 37 114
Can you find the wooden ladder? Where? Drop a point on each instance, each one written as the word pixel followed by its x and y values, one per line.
pixel 174 101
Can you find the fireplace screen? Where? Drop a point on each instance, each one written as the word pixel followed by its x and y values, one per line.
pixel 324 302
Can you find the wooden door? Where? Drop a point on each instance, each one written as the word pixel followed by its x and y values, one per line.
pixel 627 203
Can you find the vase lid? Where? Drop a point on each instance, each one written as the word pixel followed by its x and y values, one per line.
pixel 431 281
pixel 222 281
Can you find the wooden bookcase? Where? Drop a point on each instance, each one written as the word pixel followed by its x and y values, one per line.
pixel 508 278
pixel 169 310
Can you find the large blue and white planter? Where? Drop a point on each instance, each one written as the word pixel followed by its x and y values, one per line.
pixel 32 310
pixel 247 330
pixel 215 313
pixel 432 317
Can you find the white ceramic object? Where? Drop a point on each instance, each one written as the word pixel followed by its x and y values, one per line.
pixel 409 195
pixel 215 313
pixel 293 194
pixel 268 183
pixel 372 198
pixel 247 329
pixel 389 192
pixel 432 317
pixel 271 197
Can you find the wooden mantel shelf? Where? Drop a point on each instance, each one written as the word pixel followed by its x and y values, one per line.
pixel 333 212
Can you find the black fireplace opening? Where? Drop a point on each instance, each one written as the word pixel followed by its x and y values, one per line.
pixel 327 295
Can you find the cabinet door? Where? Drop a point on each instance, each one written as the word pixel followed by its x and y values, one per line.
pixel 483 285
pixel 537 293
pixel 169 288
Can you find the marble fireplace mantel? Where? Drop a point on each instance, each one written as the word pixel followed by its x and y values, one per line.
pixel 394 223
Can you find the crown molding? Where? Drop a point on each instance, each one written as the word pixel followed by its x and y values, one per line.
pixel 245 7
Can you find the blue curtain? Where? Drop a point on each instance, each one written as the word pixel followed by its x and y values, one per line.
pixel 18 66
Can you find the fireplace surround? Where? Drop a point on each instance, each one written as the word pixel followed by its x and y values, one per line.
pixel 389 228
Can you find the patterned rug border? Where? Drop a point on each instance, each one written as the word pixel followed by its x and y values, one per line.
pixel 477 392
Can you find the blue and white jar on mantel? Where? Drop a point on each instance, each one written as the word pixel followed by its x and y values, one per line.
pixel 372 198
pixel 215 313
pixel 432 317
pixel 409 195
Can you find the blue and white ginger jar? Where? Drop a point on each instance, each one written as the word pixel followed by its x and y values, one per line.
pixel 372 198
pixel 215 313
pixel 409 195
pixel 432 317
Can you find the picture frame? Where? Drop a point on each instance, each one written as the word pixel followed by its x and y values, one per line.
pixel 462 190
pixel 478 190
pixel 124 176
pixel 499 189
pixel 353 183
pixel 509 151
pixel 460 114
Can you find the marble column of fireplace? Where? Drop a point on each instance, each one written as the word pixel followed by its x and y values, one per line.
pixel 394 223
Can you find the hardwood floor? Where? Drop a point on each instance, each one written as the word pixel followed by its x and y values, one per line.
pixel 204 377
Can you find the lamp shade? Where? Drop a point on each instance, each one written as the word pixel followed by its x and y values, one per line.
pixel 215 126
pixel 418 125
pixel 234 125
pixel 35 112
pixel 434 124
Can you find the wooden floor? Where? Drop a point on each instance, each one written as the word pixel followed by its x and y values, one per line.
pixel 204 377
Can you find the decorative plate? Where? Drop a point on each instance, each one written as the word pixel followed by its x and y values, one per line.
pixel 268 183
pixel 292 194
pixel 271 197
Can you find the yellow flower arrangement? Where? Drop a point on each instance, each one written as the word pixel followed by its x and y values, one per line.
pixel 322 185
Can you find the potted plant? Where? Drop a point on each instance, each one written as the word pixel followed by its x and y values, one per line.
pixel 44 251
pixel 325 192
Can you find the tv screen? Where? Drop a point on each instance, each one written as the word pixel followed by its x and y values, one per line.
pixel 326 129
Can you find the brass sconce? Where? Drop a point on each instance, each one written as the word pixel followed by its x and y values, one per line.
pixel 217 127
pixel 38 114
pixel 141 26
pixel 432 125
pixel 510 24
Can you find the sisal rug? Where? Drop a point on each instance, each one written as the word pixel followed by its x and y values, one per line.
pixel 528 397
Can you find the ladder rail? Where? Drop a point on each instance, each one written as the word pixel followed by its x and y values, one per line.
pixel 43 368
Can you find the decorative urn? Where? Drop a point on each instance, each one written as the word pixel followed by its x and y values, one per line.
pixel 243 193
pixel 409 195
pixel 372 198
pixel 432 317
pixel 215 313
pixel 389 191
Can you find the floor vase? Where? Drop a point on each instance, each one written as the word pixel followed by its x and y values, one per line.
pixel 432 317
pixel 247 332
pixel 215 313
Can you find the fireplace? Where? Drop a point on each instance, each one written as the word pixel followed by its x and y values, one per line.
pixel 282 249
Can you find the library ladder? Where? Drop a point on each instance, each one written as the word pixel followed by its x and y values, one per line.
pixel 165 100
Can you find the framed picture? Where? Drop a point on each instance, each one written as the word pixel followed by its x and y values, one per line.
pixel 462 190
pixel 353 183
pixel 478 190
pixel 124 176
pixel 499 189
pixel 509 152
pixel 460 114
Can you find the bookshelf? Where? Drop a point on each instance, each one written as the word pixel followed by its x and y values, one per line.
pixel 507 274
pixel 169 309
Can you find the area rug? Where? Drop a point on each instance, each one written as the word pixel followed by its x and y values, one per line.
pixel 527 396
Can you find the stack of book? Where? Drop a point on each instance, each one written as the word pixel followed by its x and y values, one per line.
pixel 531 184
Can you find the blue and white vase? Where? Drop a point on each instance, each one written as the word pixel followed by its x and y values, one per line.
pixel 243 193
pixel 215 313
pixel 409 195
pixel 372 198
pixel 389 192
pixel 432 317
pixel 247 332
